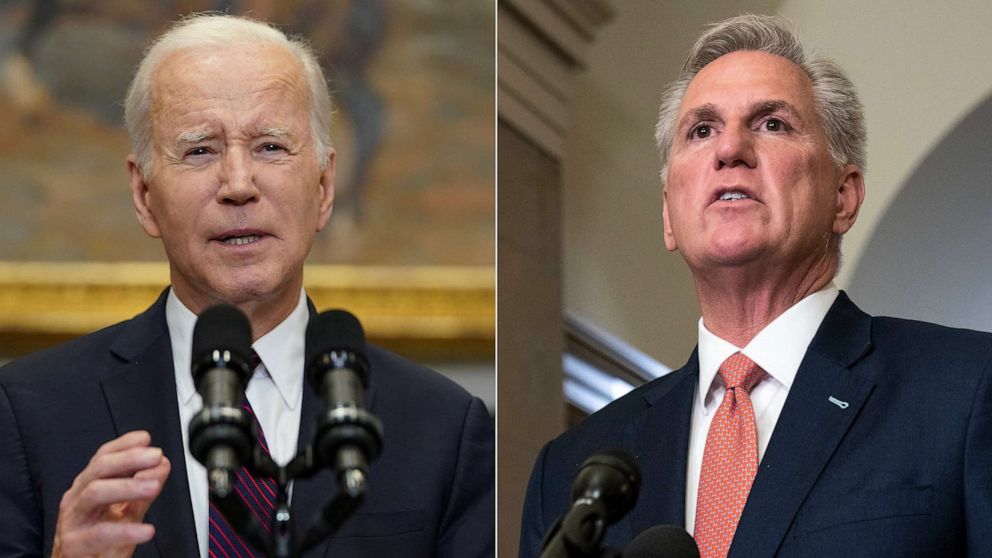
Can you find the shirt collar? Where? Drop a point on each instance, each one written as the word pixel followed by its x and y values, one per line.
pixel 778 349
pixel 282 353
pixel 181 321
pixel 281 350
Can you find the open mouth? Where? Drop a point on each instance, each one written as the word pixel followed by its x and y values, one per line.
pixel 241 240
pixel 240 237
pixel 733 196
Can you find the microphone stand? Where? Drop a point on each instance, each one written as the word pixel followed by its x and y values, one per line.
pixel 280 541
pixel 348 437
pixel 579 533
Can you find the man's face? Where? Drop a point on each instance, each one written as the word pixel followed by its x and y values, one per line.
pixel 235 191
pixel 750 178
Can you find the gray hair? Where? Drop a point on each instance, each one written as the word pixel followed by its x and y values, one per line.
pixel 836 99
pixel 220 30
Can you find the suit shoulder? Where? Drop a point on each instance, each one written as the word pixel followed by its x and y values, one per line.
pixel 924 337
pixel 604 428
pixel 395 376
pixel 904 325
pixel 62 359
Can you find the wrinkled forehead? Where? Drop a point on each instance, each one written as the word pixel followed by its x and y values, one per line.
pixel 197 77
pixel 746 78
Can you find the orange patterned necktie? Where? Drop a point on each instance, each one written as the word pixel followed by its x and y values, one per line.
pixel 730 459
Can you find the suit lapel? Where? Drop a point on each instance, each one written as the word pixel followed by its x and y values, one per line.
pixel 141 395
pixel 660 441
pixel 823 402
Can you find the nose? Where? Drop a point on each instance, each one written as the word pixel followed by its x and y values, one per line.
pixel 735 147
pixel 237 179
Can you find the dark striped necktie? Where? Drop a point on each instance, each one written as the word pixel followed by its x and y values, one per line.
pixel 257 494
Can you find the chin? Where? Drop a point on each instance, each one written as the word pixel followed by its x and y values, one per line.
pixel 737 245
pixel 241 286
pixel 734 254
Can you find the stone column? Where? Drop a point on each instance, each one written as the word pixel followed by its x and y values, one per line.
pixel 541 45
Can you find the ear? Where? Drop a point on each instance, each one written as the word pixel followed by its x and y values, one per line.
pixel 326 191
pixel 669 235
pixel 850 195
pixel 140 196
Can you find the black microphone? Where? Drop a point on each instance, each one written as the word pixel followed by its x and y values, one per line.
pixel 604 490
pixel 348 437
pixel 220 435
pixel 662 541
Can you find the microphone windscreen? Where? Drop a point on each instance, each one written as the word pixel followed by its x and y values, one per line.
pixel 222 327
pixel 662 541
pixel 334 330
pixel 619 460
pixel 612 476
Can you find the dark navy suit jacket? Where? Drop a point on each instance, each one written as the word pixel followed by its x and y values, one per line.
pixel 431 490
pixel 903 469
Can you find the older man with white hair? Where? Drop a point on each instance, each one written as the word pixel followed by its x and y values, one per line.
pixel 233 170
pixel 800 426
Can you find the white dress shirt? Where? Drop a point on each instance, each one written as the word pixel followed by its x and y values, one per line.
pixel 778 349
pixel 278 410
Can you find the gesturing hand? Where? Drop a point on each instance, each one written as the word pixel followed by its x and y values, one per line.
pixel 101 513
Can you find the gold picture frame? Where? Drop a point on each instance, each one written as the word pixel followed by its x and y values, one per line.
pixel 435 313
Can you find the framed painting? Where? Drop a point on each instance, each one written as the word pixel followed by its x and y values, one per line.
pixel 410 246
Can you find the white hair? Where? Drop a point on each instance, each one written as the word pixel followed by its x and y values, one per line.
pixel 221 30
pixel 837 105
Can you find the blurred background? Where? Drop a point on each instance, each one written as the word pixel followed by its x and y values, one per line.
pixel 578 91
pixel 410 247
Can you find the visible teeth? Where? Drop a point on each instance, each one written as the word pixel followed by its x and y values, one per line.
pixel 734 196
pixel 241 240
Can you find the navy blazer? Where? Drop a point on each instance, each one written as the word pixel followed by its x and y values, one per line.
pixel 899 465
pixel 430 492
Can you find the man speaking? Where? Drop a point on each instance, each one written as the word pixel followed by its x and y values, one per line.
pixel 800 426
pixel 234 171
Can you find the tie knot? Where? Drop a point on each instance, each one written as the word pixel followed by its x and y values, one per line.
pixel 740 371
pixel 254 360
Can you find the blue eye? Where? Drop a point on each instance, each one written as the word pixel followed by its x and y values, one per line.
pixel 272 147
pixel 197 151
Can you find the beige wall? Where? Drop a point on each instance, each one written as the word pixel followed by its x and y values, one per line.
pixel 919 68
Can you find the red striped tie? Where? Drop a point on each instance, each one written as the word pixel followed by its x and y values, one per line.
pixel 257 494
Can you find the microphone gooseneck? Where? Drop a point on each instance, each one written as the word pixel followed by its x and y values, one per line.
pixel 220 435
pixel 604 490
pixel 612 477
pixel 348 437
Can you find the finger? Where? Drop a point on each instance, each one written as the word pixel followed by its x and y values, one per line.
pixel 123 463
pixel 160 471
pixel 101 537
pixel 157 474
pixel 135 438
pixel 100 493
pixel 87 500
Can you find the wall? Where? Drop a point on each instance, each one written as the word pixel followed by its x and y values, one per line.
pixel 919 68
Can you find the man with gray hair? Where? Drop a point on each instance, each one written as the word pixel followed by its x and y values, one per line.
pixel 233 170
pixel 800 426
